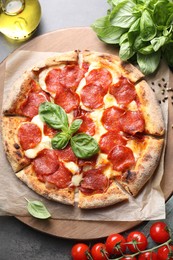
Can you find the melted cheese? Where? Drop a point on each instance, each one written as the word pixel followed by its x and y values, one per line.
pixel 96 117
pixel 73 167
pixel 76 179
pixel 45 141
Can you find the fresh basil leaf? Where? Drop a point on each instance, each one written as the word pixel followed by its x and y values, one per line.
pixel 158 42
pixel 148 63
pixel 107 32
pixel 134 31
pixel 121 14
pixel 162 11
pixel 53 115
pixel 126 51
pixel 139 43
pixel 75 126
pixel 37 209
pixel 146 50
pixel 147 27
pixel 84 146
pixel 60 140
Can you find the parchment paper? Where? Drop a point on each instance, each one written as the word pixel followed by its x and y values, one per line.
pixel 148 205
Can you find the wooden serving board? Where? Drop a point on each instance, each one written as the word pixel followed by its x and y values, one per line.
pixel 73 39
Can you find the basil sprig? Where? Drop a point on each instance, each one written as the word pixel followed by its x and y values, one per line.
pixel 83 145
pixel 37 209
pixel 143 29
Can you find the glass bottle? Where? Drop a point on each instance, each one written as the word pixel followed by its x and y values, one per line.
pixel 19 18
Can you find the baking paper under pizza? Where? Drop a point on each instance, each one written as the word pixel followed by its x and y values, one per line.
pixel 83 127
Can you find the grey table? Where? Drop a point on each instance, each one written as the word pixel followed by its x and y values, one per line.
pixel 18 241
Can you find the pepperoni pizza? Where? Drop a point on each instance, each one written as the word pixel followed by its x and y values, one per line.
pixel 83 127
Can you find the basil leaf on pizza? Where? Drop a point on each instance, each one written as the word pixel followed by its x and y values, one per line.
pixel 75 126
pixel 60 140
pixel 84 146
pixel 53 115
pixel 84 104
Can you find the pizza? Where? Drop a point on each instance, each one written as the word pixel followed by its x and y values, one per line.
pixel 83 128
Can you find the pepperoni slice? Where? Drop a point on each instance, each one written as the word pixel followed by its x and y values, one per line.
pixel 61 178
pixel 49 131
pixel 122 158
pixel 123 91
pixel 46 162
pixel 132 122
pixel 29 135
pixel 87 125
pixel 70 76
pixel 109 140
pixel 67 154
pixel 101 77
pixel 94 181
pixel 52 80
pixel 67 99
pixel 30 107
pixel 110 118
pixel 92 96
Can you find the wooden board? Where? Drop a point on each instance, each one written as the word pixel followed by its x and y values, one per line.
pixel 85 38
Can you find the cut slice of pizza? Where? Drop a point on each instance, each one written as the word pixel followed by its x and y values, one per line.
pixel 50 182
pixel 142 155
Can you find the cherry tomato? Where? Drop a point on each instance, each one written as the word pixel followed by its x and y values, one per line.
pixel 139 241
pixel 79 251
pixel 115 244
pixel 159 232
pixel 98 252
pixel 148 256
pixel 165 252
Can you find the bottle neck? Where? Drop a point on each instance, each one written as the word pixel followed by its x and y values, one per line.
pixel 12 7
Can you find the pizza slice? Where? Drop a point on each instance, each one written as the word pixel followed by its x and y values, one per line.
pixel 142 155
pixel 50 182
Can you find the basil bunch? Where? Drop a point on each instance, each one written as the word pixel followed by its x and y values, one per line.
pixel 83 145
pixel 143 29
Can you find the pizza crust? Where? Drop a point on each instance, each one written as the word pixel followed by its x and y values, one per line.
pixel 154 123
pixel 28 176
pixel 18 94
pixel 13 150
pixel 113 63
pixel 112 196
pixel 58 59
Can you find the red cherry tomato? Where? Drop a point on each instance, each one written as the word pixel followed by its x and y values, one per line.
pixel 138 240
pixel 98 252
pixel 159 232
pixel 148 256
pixel 165 253
pixel 80 251
pixel 115 244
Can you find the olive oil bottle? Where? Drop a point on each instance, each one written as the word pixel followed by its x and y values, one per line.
pixel 19 18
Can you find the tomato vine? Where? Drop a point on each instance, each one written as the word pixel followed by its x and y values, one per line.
pixel 132 247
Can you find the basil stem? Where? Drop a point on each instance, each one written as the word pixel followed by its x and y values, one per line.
pixel 84 146
pixel 37 209
pixel 53 115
